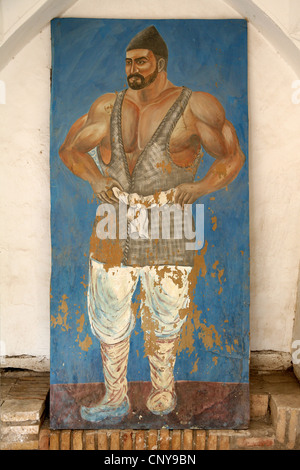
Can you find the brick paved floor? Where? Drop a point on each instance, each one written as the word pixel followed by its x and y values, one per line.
pixel 274 405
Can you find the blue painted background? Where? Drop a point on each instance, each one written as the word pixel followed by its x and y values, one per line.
pixel 88 59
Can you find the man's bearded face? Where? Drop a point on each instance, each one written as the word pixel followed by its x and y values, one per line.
pixel 141 68
pixel 136 81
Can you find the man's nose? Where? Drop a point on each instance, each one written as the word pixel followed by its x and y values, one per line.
pixel 134 68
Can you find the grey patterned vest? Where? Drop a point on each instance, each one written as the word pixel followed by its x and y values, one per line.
pixel 154 171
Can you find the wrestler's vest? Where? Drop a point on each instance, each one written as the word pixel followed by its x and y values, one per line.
pixel 154 171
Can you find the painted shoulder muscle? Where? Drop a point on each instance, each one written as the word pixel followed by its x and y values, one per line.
pixel 102 107
pixel 206 108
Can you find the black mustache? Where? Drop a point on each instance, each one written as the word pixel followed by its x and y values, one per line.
pixel 135 75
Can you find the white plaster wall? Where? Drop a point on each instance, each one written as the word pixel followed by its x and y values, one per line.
pixel 14 11
pixel 296 336
pixel 25 194
pixel 25 201
pixel 285 13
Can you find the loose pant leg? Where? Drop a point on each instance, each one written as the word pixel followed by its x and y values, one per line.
pixel 165 298
pixel 109 301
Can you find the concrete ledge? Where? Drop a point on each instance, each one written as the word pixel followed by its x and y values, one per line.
pixel 270 361
pixel 259 361
pixel 25 362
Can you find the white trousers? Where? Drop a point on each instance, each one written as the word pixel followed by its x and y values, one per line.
pixel 165 294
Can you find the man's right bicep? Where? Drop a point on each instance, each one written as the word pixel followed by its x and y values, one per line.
pixel 89 130
pixel 89 137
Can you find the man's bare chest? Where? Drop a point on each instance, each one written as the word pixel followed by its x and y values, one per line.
pixel 140 122
pixel 140 125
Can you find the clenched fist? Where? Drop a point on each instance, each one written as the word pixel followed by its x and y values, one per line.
pixel 103 189
pixel 187 193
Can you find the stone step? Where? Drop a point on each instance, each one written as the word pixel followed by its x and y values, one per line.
pixel 277 395
pixel 24 443
pixel 259 405
pixel 285 416
pixel 24 399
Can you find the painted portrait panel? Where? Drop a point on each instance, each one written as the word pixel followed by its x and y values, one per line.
pixel 150 224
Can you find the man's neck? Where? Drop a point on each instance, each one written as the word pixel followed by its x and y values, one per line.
pixel 152 92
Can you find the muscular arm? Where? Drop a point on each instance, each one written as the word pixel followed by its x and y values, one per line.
pixel 219 139
pixel 84 135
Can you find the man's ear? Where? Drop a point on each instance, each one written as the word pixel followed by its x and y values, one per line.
pixel 161 64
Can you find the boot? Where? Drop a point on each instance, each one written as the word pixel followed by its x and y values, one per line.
pixel 115 403
pixel 162 399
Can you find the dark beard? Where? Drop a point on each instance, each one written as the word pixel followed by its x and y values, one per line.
pixel 141 82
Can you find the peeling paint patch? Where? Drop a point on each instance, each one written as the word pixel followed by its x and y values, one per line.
pixel 195 366
pixel 209 336
pixel 214 222
pixel 61 320
pixel 81 323
pixel 85 344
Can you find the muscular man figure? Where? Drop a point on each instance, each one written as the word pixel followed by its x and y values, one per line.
pixel 147 139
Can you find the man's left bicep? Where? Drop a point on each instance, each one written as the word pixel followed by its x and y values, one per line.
pixel 230 138
pixel 212 140
pixel 218 142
